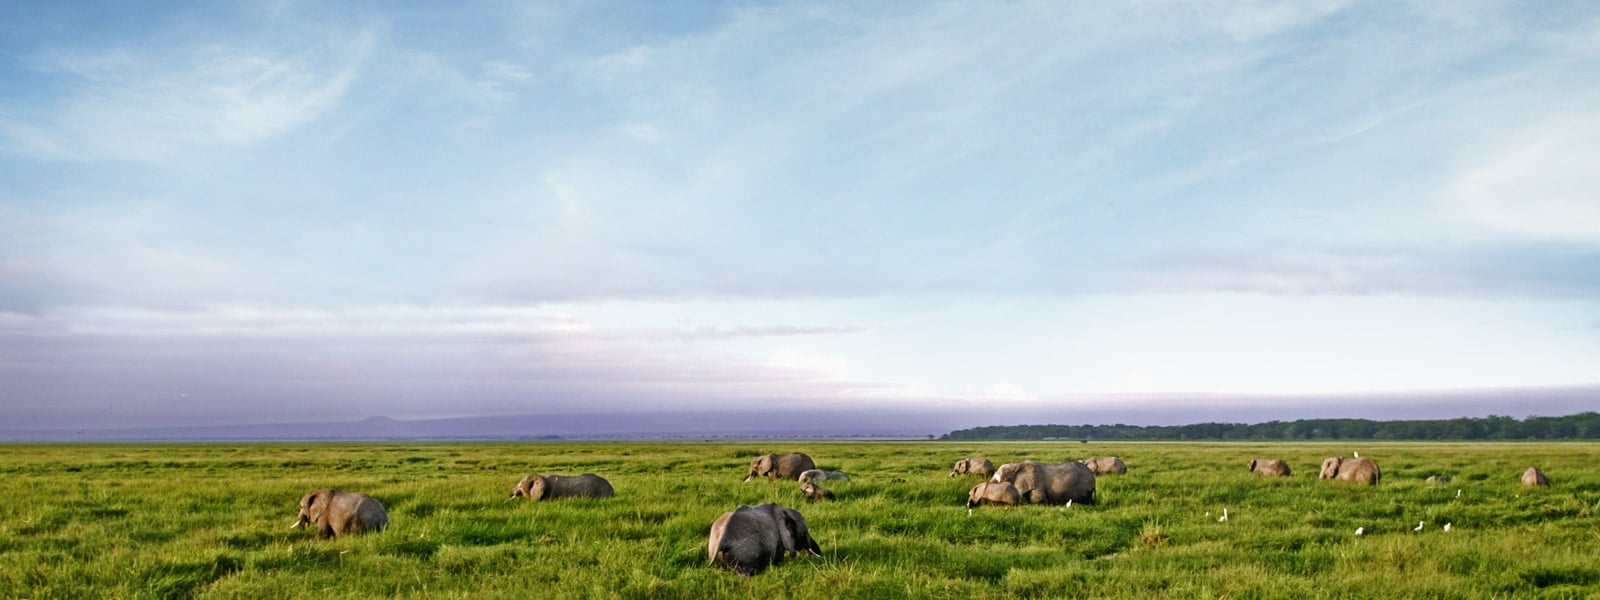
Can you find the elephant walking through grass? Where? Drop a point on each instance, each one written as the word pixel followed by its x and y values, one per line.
pixel 774 467
pixel 552 487
pixel 1269 466
pixel 336 513
pixel 1359 470
pixel 749 539
pixel 1049 483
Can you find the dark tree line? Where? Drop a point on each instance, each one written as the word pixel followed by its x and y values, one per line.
pixel 1581 426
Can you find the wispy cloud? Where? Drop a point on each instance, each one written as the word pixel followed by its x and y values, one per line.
pixel 148 104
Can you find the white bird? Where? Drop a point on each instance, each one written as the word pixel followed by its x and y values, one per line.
pixel 1224 517
pixel 1069 503
pixel 1419 526
pixel 1360 530
pixel 1357 454
pixel 1447 527
pixel 1458 493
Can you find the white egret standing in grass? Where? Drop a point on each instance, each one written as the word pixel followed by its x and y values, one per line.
pixel 1447 527
pixel 1360 530
pixel 1224 517
pixel 1419 526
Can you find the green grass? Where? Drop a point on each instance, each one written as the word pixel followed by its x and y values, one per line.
pixel 173 521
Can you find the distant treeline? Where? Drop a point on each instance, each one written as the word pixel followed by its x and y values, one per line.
pixel 1581 426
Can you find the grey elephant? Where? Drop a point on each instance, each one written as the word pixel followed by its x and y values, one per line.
pixel 773 466
pixel 336 513
pixel 1534 477
pixel 1359 470
pixel 749 539
pixel 819 476
pixel 1269 466
pixel 1044 483
pixel 1105 465
pixel 997 493
pixel 551 487
pixel 975 466
pixel 815 492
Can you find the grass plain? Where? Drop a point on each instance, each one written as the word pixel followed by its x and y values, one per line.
pixel 212 521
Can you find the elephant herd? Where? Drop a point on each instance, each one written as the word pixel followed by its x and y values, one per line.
pixel 748 539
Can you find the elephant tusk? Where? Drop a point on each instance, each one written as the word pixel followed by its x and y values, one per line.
pixel 296 524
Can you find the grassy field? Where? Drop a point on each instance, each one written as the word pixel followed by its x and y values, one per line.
pixel 143 521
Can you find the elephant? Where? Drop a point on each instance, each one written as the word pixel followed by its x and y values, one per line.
pixel 814 492
pixel 749 539
pixel 974 466
pixel 999 493
pixel 1534 477
pixel 551 487
pixel 1360 470
pixel 773 467
pixel 819 476
pixel 1041 483
pixel 1269 466
pixel 1105 465
pixel 337 513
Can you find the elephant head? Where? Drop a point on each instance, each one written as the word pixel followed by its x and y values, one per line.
pixel 760 466
pixel 531 487
pixel 1005 472
pixel 1330 467
pixel 314 507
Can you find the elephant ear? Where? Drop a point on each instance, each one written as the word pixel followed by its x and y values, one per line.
pixel 799 534
pixel 316 504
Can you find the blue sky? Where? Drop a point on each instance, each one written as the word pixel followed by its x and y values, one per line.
pixel 260 212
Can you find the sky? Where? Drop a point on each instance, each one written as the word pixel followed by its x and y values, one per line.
pixel 261 212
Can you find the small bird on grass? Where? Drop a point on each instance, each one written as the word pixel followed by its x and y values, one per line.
pixel 1224 517
pixel 1447 527
pixel 1360 530
pixel 1419 526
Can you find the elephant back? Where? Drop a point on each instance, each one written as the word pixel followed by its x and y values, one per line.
pixel 1361 470
pixel 585 485
pixel 790 466
pixel 352 513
